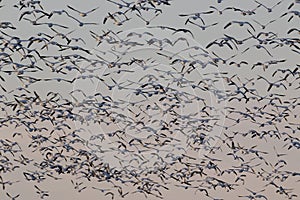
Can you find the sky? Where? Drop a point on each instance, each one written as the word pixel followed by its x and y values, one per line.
pixel 170 16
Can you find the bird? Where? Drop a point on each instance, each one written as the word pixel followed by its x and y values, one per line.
pixel 147 21
pixel 49 24
pixel 240 23
pixel 220 12
pixel 264 26
pixel 293 14
pixel 257 46
pixel 113 17
pixel 121 5
pixel 239 64
pixel 41 193
pixel 293 30
pixel 83 14
pixel 272 84
pixel 175 30
pixel 204 27
pixel 269 9
pixel 195 16
pixel 7 25
pixel 34 12
pixel 80 23
pixel 12 197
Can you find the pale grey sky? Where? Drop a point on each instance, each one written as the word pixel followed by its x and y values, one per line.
pixel 63 189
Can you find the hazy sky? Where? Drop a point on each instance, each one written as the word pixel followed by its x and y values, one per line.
pixel 63 189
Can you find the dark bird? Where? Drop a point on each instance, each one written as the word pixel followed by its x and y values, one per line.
pixel 83 14
pixel 175 30
pixel 240 23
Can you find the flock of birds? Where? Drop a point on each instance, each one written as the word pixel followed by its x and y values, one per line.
pixel 138 111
